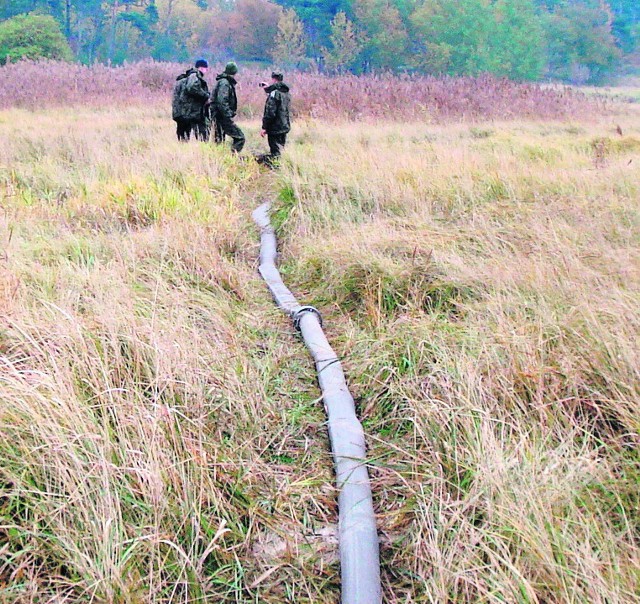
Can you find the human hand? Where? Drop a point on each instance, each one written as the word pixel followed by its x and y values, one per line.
pixel 263 133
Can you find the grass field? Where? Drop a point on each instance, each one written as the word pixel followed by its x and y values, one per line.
pixel 161 436
pixel 626 92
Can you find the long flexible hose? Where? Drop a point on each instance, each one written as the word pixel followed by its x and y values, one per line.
pixel 358 537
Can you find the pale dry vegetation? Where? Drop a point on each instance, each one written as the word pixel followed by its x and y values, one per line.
pixel 483 286
pixel 161 434
pixel 157 441
pixel 36 85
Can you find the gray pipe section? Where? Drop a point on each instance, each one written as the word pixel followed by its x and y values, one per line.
pixel 358 537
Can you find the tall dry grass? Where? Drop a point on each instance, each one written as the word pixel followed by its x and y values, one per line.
pixel 483 286
pixel 37 85
pixel 161 437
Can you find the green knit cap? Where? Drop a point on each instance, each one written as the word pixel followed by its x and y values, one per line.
pixel 231 68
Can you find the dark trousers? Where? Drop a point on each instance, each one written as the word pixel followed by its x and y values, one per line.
pixel 226 126
pixel 276 143
pixel 200 130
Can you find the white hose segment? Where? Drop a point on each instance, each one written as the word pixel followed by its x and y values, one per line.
pixel 358 537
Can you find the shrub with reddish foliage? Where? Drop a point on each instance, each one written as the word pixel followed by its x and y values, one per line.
pixel 43 84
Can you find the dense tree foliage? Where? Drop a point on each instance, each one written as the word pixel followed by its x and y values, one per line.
pixel 581 44
pixel 345 45
pixel 576 40
pixel 290 43
pixel 626 24
pixel 32 37
pixel 473 36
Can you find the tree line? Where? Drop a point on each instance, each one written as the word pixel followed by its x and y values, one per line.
pixel 573 40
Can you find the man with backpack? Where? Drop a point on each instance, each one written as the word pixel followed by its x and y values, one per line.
pixel 191 101
pixel 225 106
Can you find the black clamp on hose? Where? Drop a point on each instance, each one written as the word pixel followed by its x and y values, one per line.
pixel 297 316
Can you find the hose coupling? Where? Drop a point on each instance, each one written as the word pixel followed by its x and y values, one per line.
pixel 297 316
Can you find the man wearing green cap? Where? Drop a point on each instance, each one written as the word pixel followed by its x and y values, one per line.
pixel 225 106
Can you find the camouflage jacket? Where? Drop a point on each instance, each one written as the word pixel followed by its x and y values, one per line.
pixel 276 118
pixel 190 94
pixel 225 102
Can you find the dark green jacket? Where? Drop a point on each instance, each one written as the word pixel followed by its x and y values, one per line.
pixel 190 94
pixel 225 102
pixel 277 118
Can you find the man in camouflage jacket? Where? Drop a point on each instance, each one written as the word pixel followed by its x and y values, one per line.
pixel 276 121
pixel 225 106
pixel 191 101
